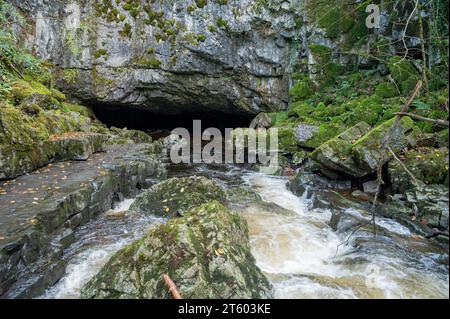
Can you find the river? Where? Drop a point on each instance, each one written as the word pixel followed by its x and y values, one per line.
pixel 294 246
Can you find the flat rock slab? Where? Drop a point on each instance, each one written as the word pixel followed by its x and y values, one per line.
pixel 35 209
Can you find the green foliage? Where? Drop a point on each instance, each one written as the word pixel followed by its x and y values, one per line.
pixel 14 60
pixel 70 75
pixel 100 53
pixel 201 3
pixel 222 23
pixel 126 32
pixel 301 90
pixel 201 38
pixel 386 90
pixel 404 73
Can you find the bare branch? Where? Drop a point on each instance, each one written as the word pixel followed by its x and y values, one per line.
pixel 425 119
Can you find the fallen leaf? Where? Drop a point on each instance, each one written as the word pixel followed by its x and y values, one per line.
pixel 219 251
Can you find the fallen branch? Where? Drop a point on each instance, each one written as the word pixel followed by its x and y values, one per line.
pixel 425 119
pixel 385 145
pixel 172 287
pixel 404 167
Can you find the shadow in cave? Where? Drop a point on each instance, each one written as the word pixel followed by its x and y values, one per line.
pixel 145 120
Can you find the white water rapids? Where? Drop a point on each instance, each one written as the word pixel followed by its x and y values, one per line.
pixel 298 253
pixel 295 247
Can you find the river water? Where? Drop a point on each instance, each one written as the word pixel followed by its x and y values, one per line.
pixel 294 246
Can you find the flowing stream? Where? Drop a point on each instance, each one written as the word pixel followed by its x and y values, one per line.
pixel 293 245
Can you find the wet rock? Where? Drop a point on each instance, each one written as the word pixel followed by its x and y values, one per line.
pixel 176 196
pixel 37 222
pixel 356 152
pixel 116 215
pixel 214 56
pixel 241 195
pixel 305 133
pixel 78 146
pixel 310 183
pixel 370 187
pixel 299 158
pixel 262 120
pixel 206 253
pixel 427 204
pixel 428 165
pixel 362 196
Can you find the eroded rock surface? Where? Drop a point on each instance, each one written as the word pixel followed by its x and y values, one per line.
pixel 39 211
pixel 178 195
pixel 206 253
pixel 170 56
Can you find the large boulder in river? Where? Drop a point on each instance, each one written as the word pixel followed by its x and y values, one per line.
pixel 357 151
pixel 336 153
pixel 206 253
pixel 178 195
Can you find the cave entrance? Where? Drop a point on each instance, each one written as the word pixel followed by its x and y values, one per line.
pixel 145 120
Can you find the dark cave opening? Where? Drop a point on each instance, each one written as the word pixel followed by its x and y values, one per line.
pixel 146 120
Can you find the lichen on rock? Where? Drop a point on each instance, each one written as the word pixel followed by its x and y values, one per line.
pixel 178 195
pixel 206 253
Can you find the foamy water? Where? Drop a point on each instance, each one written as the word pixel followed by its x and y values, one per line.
pixel 298 252
pixel 294 246
pixel 98 242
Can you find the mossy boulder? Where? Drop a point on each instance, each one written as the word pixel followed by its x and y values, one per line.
pixel 178 195
pixel 357 151
pixel 15 162
pixel 301 90
pixel 133 136
pixel 81 109
pixel 404 73
pixel 367 150
pixel 336 153
pixel 78 146
pixel 386 90
pixel 206 253
pixel 426 164
pixel 32 135
pixel 312 136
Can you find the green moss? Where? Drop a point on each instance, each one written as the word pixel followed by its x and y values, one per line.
pixel 83 110
pixel 404 73
pixel 100 53
pixel 126 32
pixel 70 75
pixel 201 3
pixel 58 95
pixel 212 28
pixel 221 23
pixel 191 8
pixel 201 38
pixel 278 118
pixel 386 90
pixel 133 7
pixel 301 90
pixel 153 62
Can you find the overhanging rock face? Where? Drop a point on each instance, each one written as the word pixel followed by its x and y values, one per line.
pixel 169 55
